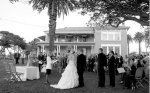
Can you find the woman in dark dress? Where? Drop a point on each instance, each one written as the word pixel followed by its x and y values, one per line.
pixel 111 67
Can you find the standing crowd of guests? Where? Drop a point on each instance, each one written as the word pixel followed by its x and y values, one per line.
pixel 100 63
pixel 110 63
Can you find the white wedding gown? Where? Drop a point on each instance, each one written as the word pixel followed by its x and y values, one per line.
pixel 69 77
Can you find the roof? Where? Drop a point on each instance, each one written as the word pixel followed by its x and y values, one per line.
pixel 112 28
pixel 75 30
pixel 87 30
pixel 42 37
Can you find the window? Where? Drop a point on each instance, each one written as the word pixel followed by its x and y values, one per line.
pixel 68 39
pixel 117 49
pixel 62 39
pixel 117 36
pixel 75 38
pixel 82 39
pixel 111 47
pixel 104 36
pixel 111 36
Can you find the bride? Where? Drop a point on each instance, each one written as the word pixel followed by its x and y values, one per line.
pixel 69 77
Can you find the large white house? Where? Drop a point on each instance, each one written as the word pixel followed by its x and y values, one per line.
pixel 90 39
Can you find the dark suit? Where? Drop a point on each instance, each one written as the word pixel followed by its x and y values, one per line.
pixel 40 58
pixel 81 64
pixel 111 66
pixel 17 57
pixel 102 61
pixel 116 65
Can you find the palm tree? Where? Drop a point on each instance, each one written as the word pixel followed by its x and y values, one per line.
pixel 147 38
pixel 55 8
pixel 139 37
pixel 129 39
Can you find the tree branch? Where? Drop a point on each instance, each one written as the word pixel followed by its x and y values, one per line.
pixel 144 23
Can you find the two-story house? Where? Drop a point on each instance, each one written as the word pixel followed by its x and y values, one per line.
pixel 89 39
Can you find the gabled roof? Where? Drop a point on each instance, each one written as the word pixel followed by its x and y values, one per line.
pixel 42 37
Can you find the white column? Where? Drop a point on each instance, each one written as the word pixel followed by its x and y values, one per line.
pixel 74 47
pixel 91 49
pixel 43 48
pixel 107 50
pixel 57 39
pixel 57 49
pixel 38 50
pixel 77 39
pixel 114 49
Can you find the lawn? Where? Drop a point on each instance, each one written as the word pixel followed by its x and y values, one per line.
pixel 38 86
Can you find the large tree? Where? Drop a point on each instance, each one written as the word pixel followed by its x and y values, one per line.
pixel 55 8
pixel 115 12
pixel 9 40
pixel 139 37
pixel 129 39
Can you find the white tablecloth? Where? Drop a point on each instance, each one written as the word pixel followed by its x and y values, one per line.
pixel 30 72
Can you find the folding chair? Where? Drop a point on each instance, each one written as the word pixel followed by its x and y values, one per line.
pixel 15 75
pixel 147 75
pixel 138 77
pixel 8 72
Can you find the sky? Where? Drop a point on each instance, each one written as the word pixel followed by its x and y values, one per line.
pixel 19 18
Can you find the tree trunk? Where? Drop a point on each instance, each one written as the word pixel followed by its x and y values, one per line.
pixel 139 48
pixel 128 48
pixel 52 24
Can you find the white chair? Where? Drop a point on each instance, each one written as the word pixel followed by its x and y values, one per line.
pixel 8 72
pixel 138 77
pixel 15 75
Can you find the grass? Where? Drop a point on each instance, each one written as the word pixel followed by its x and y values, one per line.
pixel 38 86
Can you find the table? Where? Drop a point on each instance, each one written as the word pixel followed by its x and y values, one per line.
pixel 30 72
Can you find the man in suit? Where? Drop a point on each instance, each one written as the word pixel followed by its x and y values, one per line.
pixel 17 57
pixel 102 63
pixel 111 66
pixel 40 59
pixel 81 64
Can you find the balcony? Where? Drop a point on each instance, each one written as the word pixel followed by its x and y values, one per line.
pixel 74 39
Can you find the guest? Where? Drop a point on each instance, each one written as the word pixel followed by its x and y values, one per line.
pixel 88 63
pixel 45 57
pixel 22 57
pixel 116 63
pixel 120 61
pixel 30 59
pixel 41 59
pixel 111 67
pixel 132 75
pixel 17 57
pixel 48 67
pixel 81 65
pixel 102 63
pixel 59 63
pixel 92 63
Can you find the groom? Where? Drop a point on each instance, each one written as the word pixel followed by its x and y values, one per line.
pixel 81 64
